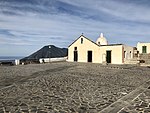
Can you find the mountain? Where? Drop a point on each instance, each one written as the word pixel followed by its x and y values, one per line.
pixel 49 51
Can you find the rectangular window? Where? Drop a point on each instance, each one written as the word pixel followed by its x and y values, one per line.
pixel 124 54
pixel 130 54
pixel 81 40
pixel 144 49
pixel 75 48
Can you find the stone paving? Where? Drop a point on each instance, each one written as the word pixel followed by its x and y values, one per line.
pixel 137 101
pixel 70 88
pixel 140 104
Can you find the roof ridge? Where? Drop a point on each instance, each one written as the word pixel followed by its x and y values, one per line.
pixel 84 37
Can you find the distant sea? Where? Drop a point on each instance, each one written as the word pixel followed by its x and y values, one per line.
pixel 10 58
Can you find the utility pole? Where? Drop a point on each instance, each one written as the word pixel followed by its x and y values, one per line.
pixel 49 53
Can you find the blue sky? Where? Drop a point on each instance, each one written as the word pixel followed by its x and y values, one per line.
pixel 28 25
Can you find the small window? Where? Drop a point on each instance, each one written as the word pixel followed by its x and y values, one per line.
pixel 75 48
pixel 124 54
pixel 130 54
pixel 99 43
pixel 81 40
pixel 144 49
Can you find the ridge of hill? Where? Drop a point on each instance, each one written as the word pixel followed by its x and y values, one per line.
pixel 49 51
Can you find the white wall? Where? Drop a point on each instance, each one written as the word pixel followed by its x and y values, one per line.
pixel 99 52
pixel 83 49
pixel 116 53
pixel 46 60
pixel 128 52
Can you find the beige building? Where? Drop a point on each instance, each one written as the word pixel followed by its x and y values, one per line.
pixel 85 50
pixel 143 48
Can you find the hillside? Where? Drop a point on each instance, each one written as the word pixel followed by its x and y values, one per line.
pixel 49 51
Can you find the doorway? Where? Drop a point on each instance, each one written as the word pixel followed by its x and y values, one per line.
pixel 89 56
pixel 75 56
pixel 108 56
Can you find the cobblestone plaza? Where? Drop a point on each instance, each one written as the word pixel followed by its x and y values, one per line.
pixel 64 87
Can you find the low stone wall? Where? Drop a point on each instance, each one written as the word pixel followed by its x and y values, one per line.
pixel 145 58
pixel 46 60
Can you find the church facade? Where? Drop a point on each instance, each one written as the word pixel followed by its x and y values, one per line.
pixel 85 50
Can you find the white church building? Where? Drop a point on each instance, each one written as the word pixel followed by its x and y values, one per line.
pixel 85 50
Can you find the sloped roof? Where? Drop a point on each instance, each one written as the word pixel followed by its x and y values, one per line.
pixel 84 37
pixel 112 45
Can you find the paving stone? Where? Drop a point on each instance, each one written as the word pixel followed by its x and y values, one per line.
pixel 61 111
pixel 147 110
pixel 41 111
pixel 82 109
pixel 92 110
pixel 136 105
pixel 131 107
pixel 144 104
pixel 25 111
pixel 24 107
pixel 33 109
pixel 72 110
pixel 123 111
pixel 132 111
pixel 147 93
pixel 1 110
pixel 139 109
pixel 7 108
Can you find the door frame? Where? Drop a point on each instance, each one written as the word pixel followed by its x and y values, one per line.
pixel 90 57
pixel 75 56
pixel 109 60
